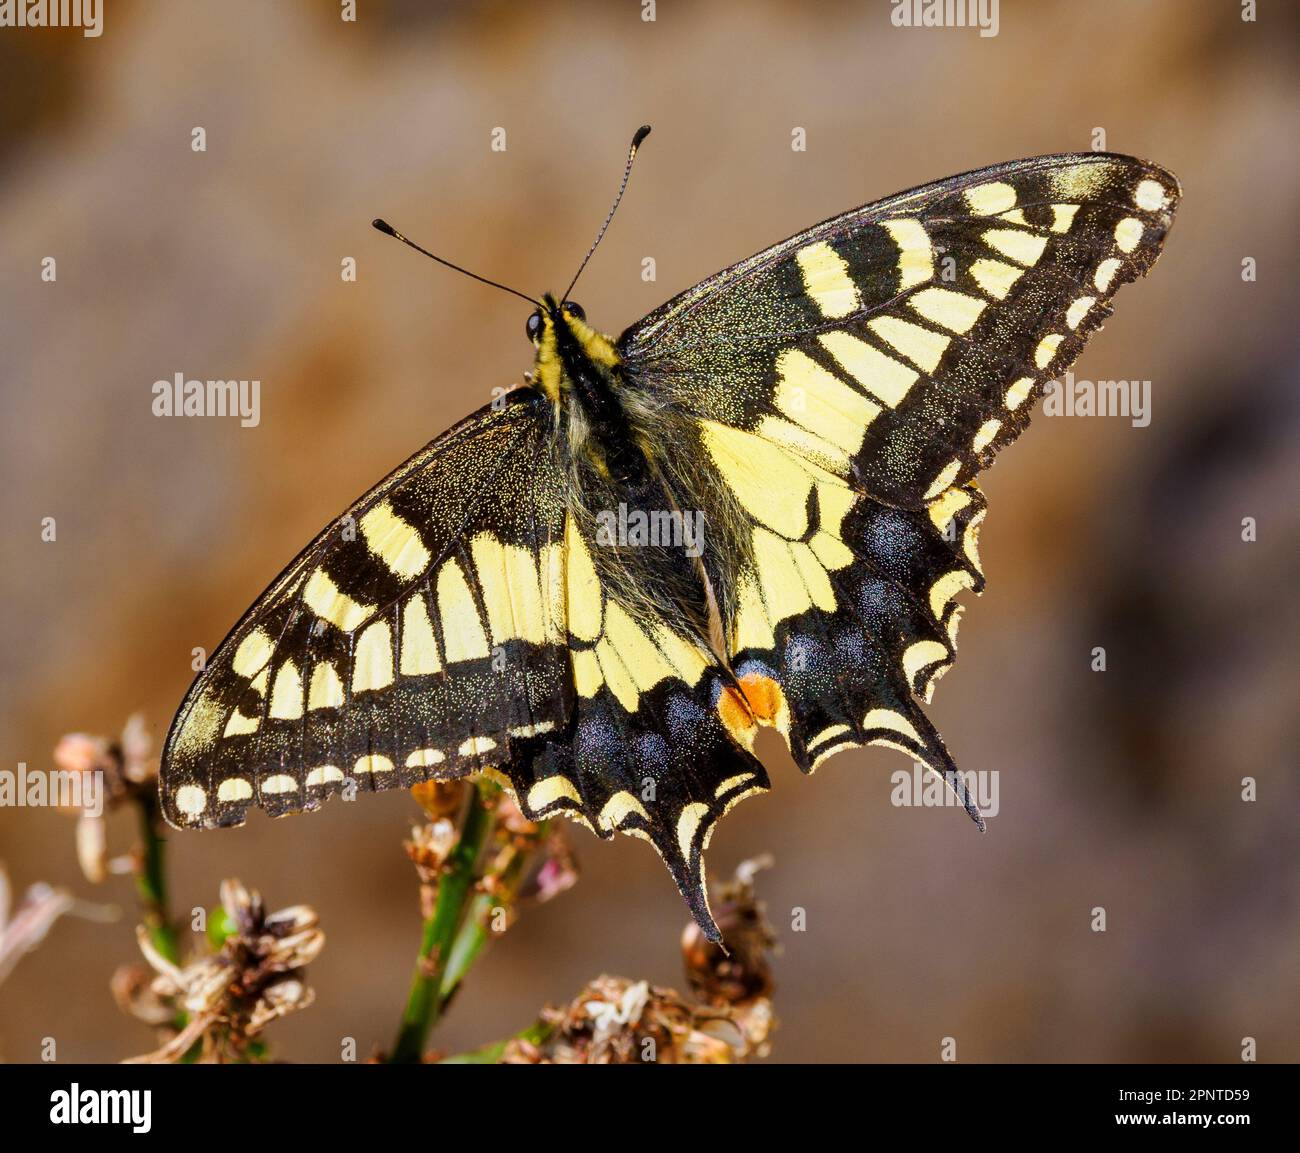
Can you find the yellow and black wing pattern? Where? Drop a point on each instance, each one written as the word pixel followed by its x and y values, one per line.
pixel 415 637
pixel 840 392
pixel 455 621
pixel 823 407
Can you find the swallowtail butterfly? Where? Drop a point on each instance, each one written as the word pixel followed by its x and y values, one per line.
pixel 505 605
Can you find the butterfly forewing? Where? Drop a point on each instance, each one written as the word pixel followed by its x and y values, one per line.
pixel 421 634
pixel 903 343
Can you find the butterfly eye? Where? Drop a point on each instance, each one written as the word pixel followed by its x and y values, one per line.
pixel 534 326
pixel 575 310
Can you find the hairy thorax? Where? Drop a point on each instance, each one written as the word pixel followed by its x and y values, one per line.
pixel 624 451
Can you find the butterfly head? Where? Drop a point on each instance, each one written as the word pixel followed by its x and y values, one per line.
pixel 568 349
pixel 548 314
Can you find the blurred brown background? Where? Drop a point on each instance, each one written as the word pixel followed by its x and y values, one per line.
pixel 1120 789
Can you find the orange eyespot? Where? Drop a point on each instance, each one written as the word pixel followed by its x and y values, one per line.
pixel 734 712
pixel 764 696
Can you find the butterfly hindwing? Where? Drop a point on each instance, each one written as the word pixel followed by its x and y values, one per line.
pixel 845 608
pixel 649 750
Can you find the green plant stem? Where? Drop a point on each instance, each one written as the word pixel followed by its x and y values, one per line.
pixel 468 944
pixel 151 883
pixel 425 1001
pixel 535 1034
pixel 473 934
pixel 151 889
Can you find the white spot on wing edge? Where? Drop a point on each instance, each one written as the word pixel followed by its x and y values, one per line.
pixel 1046 349
pixel 1106 272
pixel 618 808
pixel 324 775
pixel 988 430
pixel 1078 310
pixel 234 789
pixel 191 800
pixel 1150 195
pixel 889 719
pixel 1128 233
pixel 278 783
pixel 1019 392
pixel 476 745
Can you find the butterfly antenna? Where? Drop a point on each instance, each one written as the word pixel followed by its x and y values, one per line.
pixel 641 134
pixel 389 230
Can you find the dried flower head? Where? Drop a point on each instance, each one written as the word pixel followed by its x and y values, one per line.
pixel 554 872
pixel 125 770
pixel 737 971
pixel 617 1021
pixel 441 800
pixel 230 996
pixel 429 846
pixel 132 989
pixel 531 860
pixel 126 764
pixel 24 927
